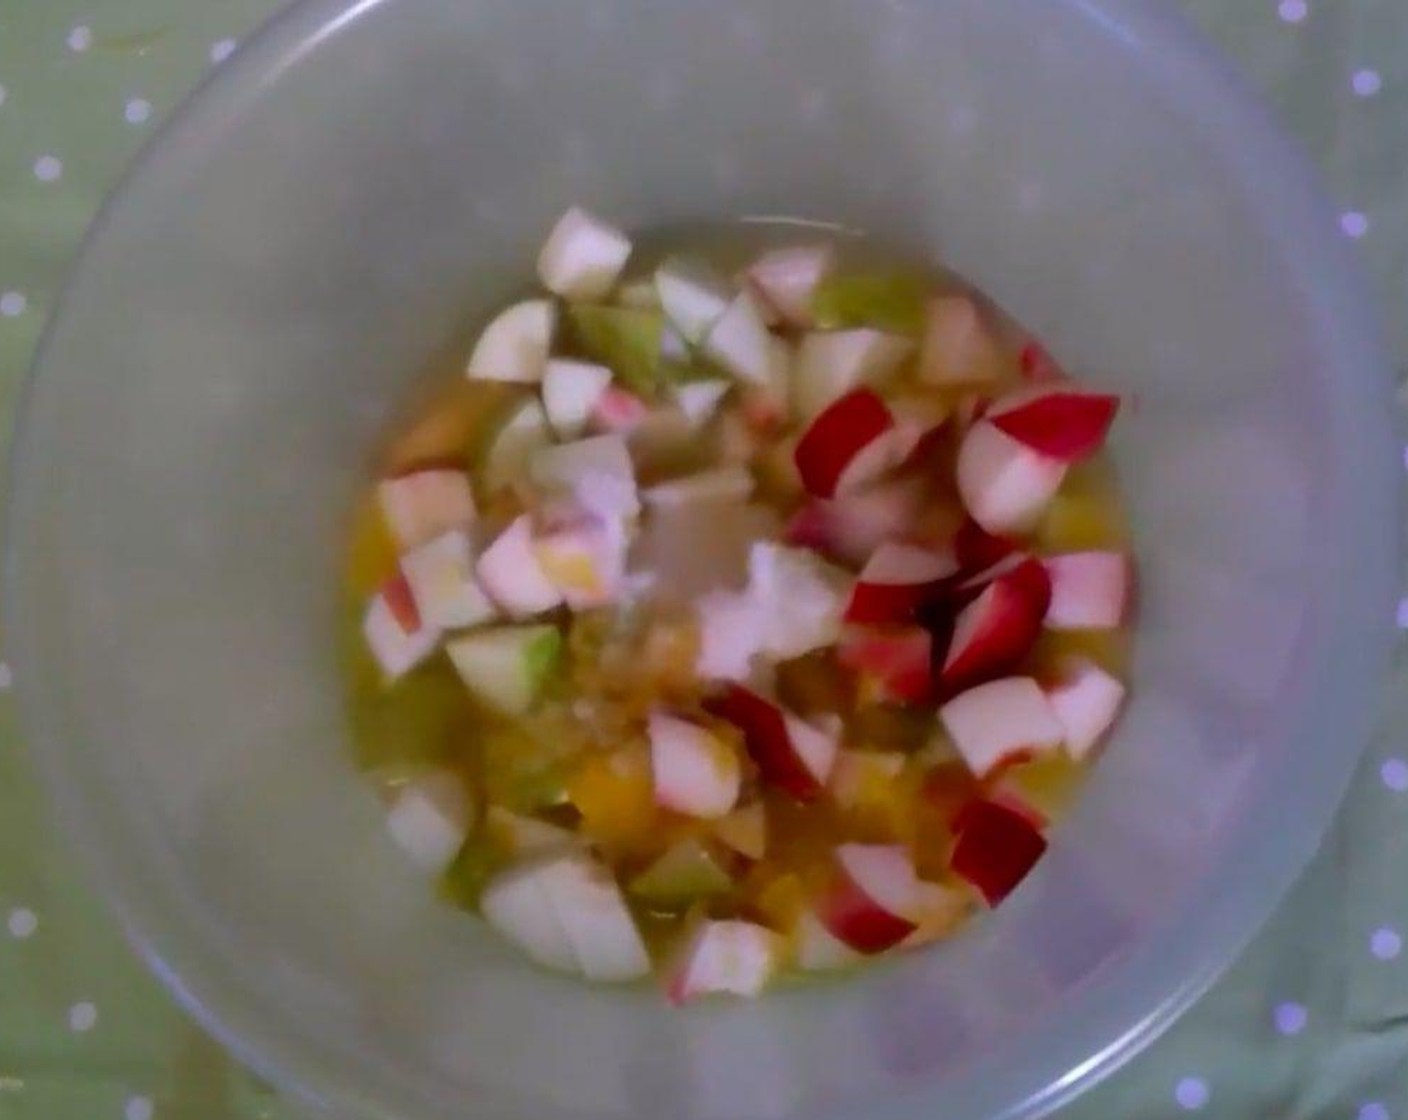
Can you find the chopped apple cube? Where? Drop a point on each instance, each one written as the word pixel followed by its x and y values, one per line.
pixel 693 296
pixel 740 343
pixel 850 444
pixel 394 631
pixel 791 754
pixel 505 461
pixel 997 846
pixel 958 346
pixel 700 400
pixel 510 572
pixel 1005 485
pixel 596 473
pixel 506 667
pixel 583 256
pixel 585 560
pixel 832 363
pixel 801 596
pixel 515 344
pixel 572 392
pixel 1089 590
pixel 430 818
pixel 875 898
pixel 423 504
pixel 734 957
pixel 696 773
pixel 1001 721
pixel 628 340
pixel 441 576
pixel 1086 700
pixel 786 280
pixel 1056 418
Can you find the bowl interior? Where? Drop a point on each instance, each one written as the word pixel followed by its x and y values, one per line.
pixel 369 179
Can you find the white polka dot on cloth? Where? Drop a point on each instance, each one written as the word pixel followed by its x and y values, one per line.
pixel 222 50
pixel 1386 944
pixel 1293 11
pixel 1290 1018
pixel 1394 774
pixel 1373 1110
pixel 137 111
pixel 12 304
pixel 137 1108
pixel 1191 1093
pixel 80 38
pixel 48 168
pixel 1354 224
pixel 1366 83
pixel 22 922
pixel 82 1017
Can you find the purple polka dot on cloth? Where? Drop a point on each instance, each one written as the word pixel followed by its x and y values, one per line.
pixel 1386 944
pixel 1290 1018
pixel 1191 1094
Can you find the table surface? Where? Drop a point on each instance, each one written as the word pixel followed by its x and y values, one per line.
pixel 1311 1023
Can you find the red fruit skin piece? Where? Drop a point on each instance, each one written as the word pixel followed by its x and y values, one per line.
pixel 847 426
pixel 853 917
pixel 897 583
pixel 977 549
pixel 1065 423
pixel 766 737
pixel 401 601
pixel 997 846
pixel 1037 364
pixel 998 628
pixel 897 663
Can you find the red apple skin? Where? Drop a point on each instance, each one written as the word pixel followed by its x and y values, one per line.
pixel 899 662
pixel 996 848
pixel 1036 364
pixel 765 735
pixel 847 426
pixel 977 549
pixel 1065 423
pixel 876 602
pixel 853 917
pixel 401 602
pixel 1009 611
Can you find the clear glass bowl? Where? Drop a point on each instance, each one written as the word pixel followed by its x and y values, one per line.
pixel 364 181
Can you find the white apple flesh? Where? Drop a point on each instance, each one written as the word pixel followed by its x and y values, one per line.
pixel 1001 721
pixel 571 393
pixel 724 957
pixel 786 279
pixel 1005 485
pixel 875 898
pixel 441 577
pixel 1089 590
pixel 430 818
pixel 394 632
pixel 423 504
pixel 740 343
pixel 830 364
pixel 583 256
pixel 515 344
pixel 509 571
pixel 1087 701
pixel 695 772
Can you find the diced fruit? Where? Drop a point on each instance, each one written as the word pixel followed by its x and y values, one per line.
pixel 615 793
pixel 1089 590
pixel 515 344
pixel 518 906
pixel 733 957
pixel 430 818
pixel 687 872
pixel 791 754
pixel 1086 700
pixel 509 571
pixel 832 363
pixel 1037 364
pixel 521 836
pixel 922 420
pixel 786 280
pixel 799 596
pixel 506 667
pixel 596 473
pixel 849 445
pixel 619 410
pixel 394 630
pixel 892 301
pixel 628 340
pixel 873 901
pixel 865 777
pixel 723 484
pixel 1041 789
pixel 584 909
pixel 700 400
pixel 696 772
pixel 572 392
pixel 420 506
pixel 585 560
pixel 1002 721
pixel 523 433
pixel 897 580
pixel 745 830
pixel 1056 418
pixel 583 256
pixel 852 527
pixel 1004 484
pixel 740 343
pixel 730 636
pixel 693 296
pixel 818 950
pixel 958 347
pixel 996 848
pixel 977 549
pixel 894 665
pixel 441 577
pixel 941 909
pixel 947 789
pixel 997 629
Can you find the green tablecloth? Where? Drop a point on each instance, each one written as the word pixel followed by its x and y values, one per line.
pixel 1312 1023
